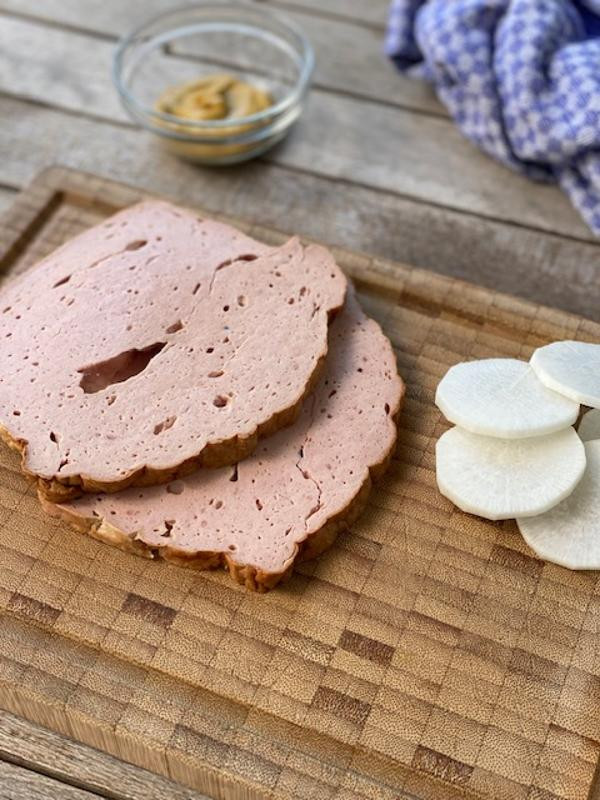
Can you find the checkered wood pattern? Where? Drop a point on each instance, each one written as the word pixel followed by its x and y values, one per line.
pixel 427 654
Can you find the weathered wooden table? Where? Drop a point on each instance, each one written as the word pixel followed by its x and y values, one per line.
pixel 375 164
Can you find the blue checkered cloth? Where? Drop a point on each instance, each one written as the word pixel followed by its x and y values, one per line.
pixel 520 77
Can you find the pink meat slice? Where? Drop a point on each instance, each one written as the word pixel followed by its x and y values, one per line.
pixel 153 335
pixel 255 516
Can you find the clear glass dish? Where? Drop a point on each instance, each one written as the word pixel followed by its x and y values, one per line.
pixel 249 42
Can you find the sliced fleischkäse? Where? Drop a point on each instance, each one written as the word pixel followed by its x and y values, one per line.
pixel 292 496
pixel 156 343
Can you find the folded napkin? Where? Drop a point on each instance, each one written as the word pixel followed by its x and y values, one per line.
pixel 520 77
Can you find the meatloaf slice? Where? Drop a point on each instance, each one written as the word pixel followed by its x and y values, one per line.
pixel 155 343
pixel 292 496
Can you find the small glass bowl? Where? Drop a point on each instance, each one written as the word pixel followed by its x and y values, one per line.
pixel 246 41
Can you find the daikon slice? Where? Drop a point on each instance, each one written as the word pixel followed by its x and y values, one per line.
pixel 589 427
pixel 569 534
pixel 505 478
pixel 571 368
pixel 502 397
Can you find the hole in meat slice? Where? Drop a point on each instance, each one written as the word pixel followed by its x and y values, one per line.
pixel 164 426
pixel 137 245
pixel 62 281
pixel 117 369
pixel 176 326
pixel 230 261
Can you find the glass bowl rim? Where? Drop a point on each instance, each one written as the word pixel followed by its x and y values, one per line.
pixel 307 62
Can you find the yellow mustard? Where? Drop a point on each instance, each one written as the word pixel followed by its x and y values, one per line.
pixel 211 98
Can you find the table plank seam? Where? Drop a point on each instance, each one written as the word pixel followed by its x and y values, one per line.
pixel 60 777
pixel 66 27
pixel 313 11
pixel 37 103
pixel 331 179
pixel 9 187
pixel 316 13
pixel 340 180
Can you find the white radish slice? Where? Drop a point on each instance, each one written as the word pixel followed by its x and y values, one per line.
pixel 502 397
pixel 571 368
pixel 589 427
pixel 505 478
pixel 569 534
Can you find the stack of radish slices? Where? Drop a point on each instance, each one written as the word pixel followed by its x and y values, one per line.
pixel 514 452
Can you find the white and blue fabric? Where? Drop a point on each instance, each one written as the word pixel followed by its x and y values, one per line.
pixel 520 77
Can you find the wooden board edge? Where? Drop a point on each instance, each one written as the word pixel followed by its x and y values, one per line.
pixel 45 752
pixel 91 190
pixel 186 770
pixel 28 212
pixel 131 746
pixel 380 276
pixel 194 773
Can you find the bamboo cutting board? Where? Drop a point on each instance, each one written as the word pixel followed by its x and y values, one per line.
pixel 428 653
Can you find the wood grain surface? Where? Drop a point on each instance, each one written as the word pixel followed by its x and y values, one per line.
pixel 336 136
pixel 348 54
pixel 429 653
pixel 21 784
pixel 42 753
pixel 372 13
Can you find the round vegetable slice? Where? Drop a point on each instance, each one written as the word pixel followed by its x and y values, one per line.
pixel 571 368
pixel 505 478
pixel 589 427
pixel 502 397
pixel 569 534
